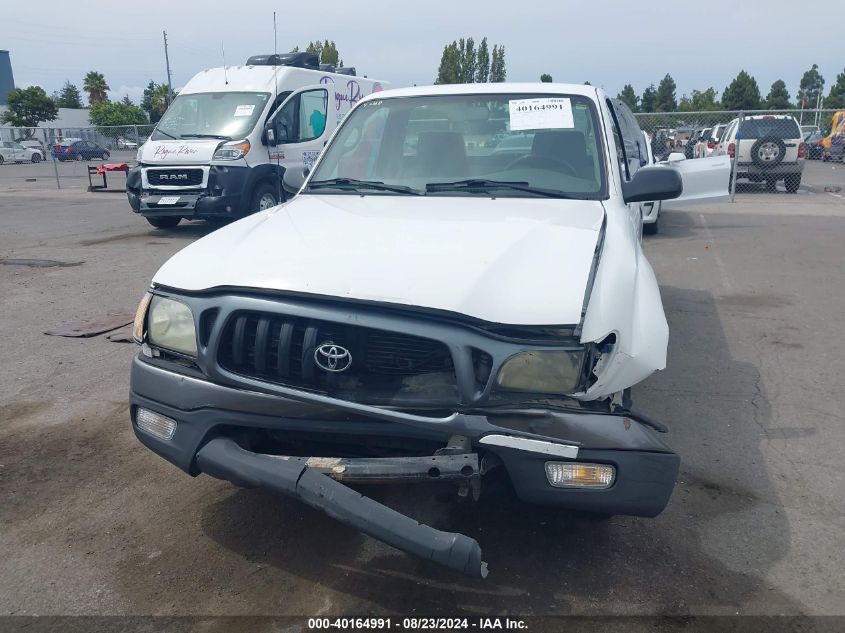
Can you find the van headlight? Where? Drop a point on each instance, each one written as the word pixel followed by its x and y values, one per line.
pixel 139 154
pixel 170 324
pixel 232 150
pixel 545 371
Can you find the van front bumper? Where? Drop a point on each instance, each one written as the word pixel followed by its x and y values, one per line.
pixel 208 417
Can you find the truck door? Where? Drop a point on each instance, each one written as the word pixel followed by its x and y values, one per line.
pixel 298 130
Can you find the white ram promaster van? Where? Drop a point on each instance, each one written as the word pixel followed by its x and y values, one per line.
pixel 210 157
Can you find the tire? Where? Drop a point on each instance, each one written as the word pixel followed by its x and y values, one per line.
pixel 2 160
pixel 264 197
pixel 768 152
pixel 79 157
pixel 105 155
pixel 792 182
pixel 165 223
pixel 36 158
pixel 771 184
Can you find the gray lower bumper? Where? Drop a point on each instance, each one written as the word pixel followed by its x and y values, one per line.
pixel 210 416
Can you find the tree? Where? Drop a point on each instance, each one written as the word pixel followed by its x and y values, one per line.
pixel 469 61
pixel 162 97
pixel 742 94
pixel 546 78
pixel 28 107
pixel 812 85
pixel 836 98
pixel 449 70
pixel 629 97
pixel 126 100
pixel 498 71
pixel 462 62
pixel 664 100
pixel 96 87
pixel 700 101
pixel 778 97
pixel 648 99
pixel 68 97
pixel 482 64
pixel 105 114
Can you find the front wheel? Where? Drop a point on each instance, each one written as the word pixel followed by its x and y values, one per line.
pixel 80 157
pixel 36 158
pixel 265 196
pixel 164 223
pixel 792 182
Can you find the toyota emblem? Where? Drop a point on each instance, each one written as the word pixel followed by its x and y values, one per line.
pixel 333 358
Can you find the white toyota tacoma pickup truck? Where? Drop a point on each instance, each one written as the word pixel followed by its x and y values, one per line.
pixel 458 287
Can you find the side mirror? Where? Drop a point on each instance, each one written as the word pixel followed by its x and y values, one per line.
pixel 294 178
pixel 674 157
pixel 270 135
pixel 653 183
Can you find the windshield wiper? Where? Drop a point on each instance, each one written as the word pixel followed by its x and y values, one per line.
pixel 481 184
pixel 352 183
pixel 220 136
pixel 167 134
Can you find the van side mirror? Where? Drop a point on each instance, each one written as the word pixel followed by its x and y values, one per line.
pixel 653 183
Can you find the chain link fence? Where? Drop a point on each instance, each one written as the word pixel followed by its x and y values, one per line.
pixel 59 157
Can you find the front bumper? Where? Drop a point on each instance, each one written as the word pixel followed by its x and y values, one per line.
pixel 213 415
pixel 223 197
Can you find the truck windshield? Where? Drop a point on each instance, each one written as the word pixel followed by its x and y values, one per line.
pixel 519 145
pixel 228 115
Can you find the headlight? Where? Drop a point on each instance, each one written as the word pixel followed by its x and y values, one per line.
pixel 232 151
pixel 140 318
pixel 171 325
pixel 551 371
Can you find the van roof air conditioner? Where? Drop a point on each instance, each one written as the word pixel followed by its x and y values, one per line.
pixel 298 60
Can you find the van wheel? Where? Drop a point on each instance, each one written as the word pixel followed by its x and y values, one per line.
pixel 264 197
pixel 164 223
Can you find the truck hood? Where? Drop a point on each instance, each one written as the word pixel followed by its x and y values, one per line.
pixel 504 260
pixel 187 152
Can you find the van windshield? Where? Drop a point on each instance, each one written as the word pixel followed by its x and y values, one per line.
pixel 225 115
pixel 517 145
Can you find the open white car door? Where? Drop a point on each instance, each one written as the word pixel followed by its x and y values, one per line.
pixel 301 126
pixel 705 179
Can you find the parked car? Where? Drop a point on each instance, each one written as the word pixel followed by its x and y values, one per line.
pixel 810 129
pixel 693 140
pixel 270 362
pixel 766 148
pixel 650 209
pixel 79 150
pixel 813 141
pixel 34 144
pixel 14 152
pixel 707 143
pixel 125 143
pixel 836 151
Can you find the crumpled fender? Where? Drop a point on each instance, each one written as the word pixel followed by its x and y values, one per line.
pixel 625 301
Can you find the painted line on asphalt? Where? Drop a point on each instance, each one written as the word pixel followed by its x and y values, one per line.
pixel 723 270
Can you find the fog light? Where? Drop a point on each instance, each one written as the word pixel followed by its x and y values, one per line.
pixel 577 475
pixel 155 424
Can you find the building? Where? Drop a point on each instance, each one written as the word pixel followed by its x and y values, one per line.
pixel 69 122
pixel 7 79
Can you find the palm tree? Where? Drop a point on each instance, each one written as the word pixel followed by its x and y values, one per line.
pixel 96 87
pixel 161 98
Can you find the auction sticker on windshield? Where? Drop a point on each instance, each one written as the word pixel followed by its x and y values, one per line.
pixel 540 114
pixel 244 110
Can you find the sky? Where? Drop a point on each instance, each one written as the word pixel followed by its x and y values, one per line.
pixel 608 43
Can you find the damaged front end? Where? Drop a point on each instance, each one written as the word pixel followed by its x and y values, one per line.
pixel 304 396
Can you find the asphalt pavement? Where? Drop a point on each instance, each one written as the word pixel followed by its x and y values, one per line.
pixel 91 522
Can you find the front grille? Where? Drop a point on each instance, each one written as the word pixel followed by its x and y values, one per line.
pixel 177 177
pixel 385 366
